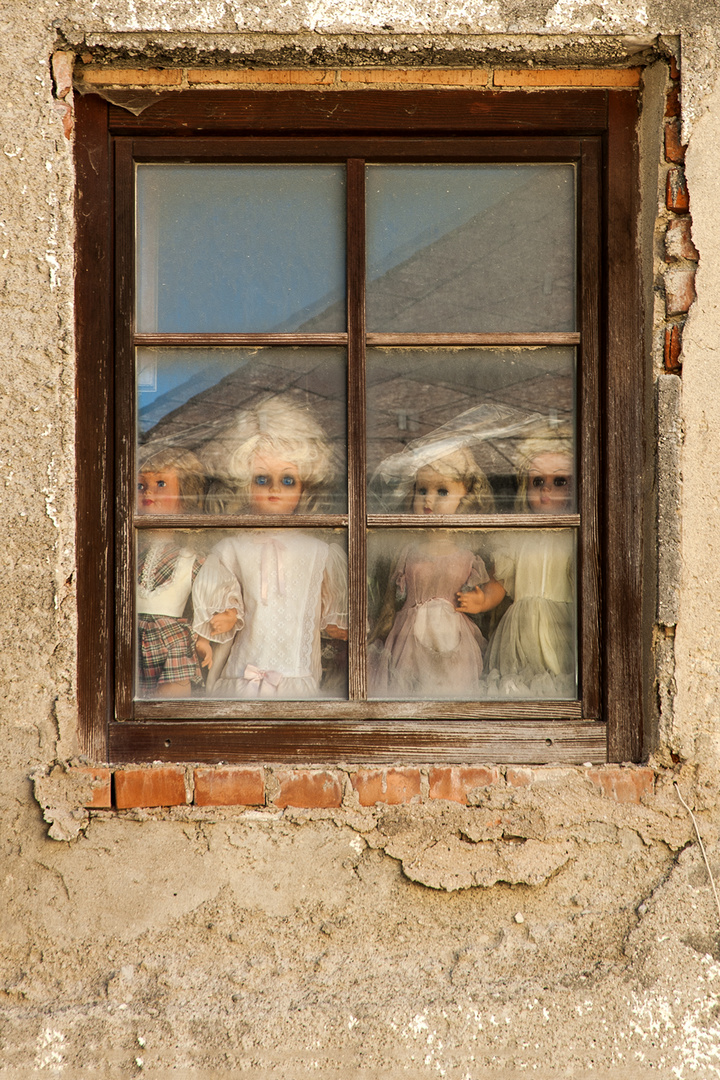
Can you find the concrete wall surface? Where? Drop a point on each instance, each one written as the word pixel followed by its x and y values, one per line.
pixel 558 922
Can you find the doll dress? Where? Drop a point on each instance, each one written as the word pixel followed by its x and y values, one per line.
pixel 532 652
pixel 287 587
pixel 433 650
pixel 166 650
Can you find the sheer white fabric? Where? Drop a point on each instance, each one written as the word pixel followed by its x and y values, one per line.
pixel 286 588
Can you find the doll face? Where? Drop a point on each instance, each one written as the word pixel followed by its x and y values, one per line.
pixel 436 493
pixel 550 484
pixel 159 492
pixel 275 487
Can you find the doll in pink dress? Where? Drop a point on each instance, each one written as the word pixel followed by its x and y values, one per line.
pixel 170 481
pixel 532 651
pixel 267 596
pixel 431 649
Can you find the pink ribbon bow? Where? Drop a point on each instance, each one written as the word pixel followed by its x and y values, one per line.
pixel 263 683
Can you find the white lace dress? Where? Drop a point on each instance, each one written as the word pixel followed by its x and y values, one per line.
pixel 287 587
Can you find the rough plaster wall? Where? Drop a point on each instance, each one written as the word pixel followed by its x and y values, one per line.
pixel 298 944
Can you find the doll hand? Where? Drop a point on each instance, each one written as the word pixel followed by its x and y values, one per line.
pixel 471 602
pixel 336 632
pixel 224 621
pixel 204 651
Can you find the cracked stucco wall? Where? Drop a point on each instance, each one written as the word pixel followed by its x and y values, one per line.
pixel 583 939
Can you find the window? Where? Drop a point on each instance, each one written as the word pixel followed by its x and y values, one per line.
pixel 360 388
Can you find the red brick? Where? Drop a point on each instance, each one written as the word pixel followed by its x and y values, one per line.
pixel 674 149
pixel 674 69
pixel 424 76
pixel 390 786
pixel 63 109
pixel 679 290
pixel 150 787
pixel 676 192
pixel 519 777
pixel 568 77
pixel 229 787
pixel 678 239
pixel 625 785
pixel 107 76
pixel 673 348
pixel 102 794
pixel 269 77
pixel 672 102
pixel 62 71
pixel 454 782
pixel 309 789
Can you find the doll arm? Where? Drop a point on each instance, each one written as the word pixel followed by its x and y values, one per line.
pixel 217 596
pixel 205 652
pixel 481 598
pixel 334 598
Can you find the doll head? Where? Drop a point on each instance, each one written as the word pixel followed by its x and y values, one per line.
pixel 452 484
pixel 170 481
pixel 273 459
pixel 545 476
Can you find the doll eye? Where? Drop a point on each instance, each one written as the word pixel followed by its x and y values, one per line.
pixel 288 481
pixel 260 479
pixel 422 491
pixel 538 481
pixel 443 492
pixel 161 483
pixel 141 487
pixel 560 481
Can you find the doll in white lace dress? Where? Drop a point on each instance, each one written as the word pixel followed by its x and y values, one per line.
pixel 266 596
pixel 532 652
pixel 171 480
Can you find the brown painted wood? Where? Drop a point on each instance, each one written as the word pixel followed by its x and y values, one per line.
pixel 236 340
pixel 201 710
pixel 407 111
pixel 247 521
pixel 588 430
pixel 624 460
pixel 473 339
pixel 357 551
pixel 475 521
pixel 93 337
pixel 529 743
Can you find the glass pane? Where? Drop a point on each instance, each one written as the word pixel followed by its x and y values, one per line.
pixel 254 422
pixel 473 248
pixel 242 614
pixel 472 615
pixel 240 248
pixel 494 426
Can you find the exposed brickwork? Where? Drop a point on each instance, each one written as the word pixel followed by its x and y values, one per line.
pixel 625 785
pixel 519 777
pixel 229 787
pixel 673 348
pixel 676 192
pixel 674 149
pixel 163 786
pixel 418 76
pixel 102 76
pixel 454 782
pixel 309 788
pixel 102 788
pixel 678 240
pixel 679 290
pixel 628 77
pixel 392 786
pixel 245 76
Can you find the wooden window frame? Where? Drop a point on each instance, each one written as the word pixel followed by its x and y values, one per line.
pixel 596 128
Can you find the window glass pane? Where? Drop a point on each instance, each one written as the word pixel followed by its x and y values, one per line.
pixel 240 248
pixel 499 423
pixel 515 637
pixel 242 614
pixel 474 248
pixel 245 415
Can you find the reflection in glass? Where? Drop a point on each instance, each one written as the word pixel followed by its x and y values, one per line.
pixel 234 407
pixel 240 248
pixel 473 248
pixel 493 406
pixel 481 615
pixel 254 614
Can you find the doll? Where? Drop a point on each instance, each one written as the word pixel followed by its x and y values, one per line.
pixel 170 481
pixel 431 649
pixel 532 652
pixel 267 595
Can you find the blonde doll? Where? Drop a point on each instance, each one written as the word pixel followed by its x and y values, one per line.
pixel 266 596
pixel 431 649
pixel 170 481
pixel 532 652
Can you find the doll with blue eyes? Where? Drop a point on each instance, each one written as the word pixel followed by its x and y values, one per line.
pixel 171 480
pixel 266 597
pixel 532 651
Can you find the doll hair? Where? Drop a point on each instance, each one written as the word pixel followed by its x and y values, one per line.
pixel 189 470
pixel 548 442
pixel 460 465
pixel 284 427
